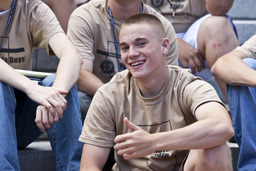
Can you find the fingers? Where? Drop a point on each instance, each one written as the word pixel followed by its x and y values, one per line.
pixel 44 119
pixel 58 105
pixel 38 119
pixel 130 125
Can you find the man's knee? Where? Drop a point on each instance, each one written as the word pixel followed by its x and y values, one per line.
pixel 48 81
pixel 216 24
pixel 217 158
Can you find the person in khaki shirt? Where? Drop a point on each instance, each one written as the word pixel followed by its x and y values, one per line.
pixel 30 107
pixel 237 70
pixel 156 116
pixel 93 28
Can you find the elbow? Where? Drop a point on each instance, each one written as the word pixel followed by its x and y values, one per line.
pixel 227 131
pixel 216 68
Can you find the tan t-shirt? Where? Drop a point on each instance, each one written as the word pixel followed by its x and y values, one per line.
pixel 32 25
pixel 172 108
pixel 186 13
pixel 90 30
pixel 249 47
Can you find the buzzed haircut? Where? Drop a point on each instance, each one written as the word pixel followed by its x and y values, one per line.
pixel 149 19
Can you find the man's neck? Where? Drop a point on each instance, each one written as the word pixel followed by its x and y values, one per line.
pixel 5 5
pixel 124 9
pixel 153 86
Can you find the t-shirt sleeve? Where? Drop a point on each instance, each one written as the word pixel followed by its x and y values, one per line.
pixel 249 47
pixel 196 92
pixel 43 25
pixel 99 127
pixel 81 33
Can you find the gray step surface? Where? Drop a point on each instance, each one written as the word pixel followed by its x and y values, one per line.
pixel 39 157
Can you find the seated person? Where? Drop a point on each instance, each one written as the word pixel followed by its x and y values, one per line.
pixel 93 29
pixel 28 109
pixel 63 9
pixel 157 117
pixel 202 37
pixel 237 69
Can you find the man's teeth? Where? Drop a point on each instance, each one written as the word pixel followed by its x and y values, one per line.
pixel 137 63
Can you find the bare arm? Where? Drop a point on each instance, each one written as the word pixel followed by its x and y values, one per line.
pixel 218 7
pixel 93 157
pixel 88 82
pixel 231 69
pixel 51 98
pixel 70 61
pixel 66 76
pixel 213 128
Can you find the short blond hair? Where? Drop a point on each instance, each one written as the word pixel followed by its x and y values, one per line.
pixel 149 19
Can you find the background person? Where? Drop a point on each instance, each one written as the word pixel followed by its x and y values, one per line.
pixel 237 70
pixel 28 109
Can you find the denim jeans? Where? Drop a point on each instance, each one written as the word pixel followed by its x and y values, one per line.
pixel 243 109
pixel 18 128
pixel 85 102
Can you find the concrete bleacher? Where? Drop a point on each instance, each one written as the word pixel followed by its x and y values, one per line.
pixel 244 17
pixel 38 155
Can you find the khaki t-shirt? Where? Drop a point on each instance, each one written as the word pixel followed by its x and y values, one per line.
pixel 32 25
pixel 249 47
pixel 171 109
pixel 186 13
pixel 90 30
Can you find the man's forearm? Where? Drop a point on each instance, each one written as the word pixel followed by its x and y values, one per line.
pixel 88 82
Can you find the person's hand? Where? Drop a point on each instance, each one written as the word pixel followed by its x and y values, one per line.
pixel 51 98
pixel 44 119
pixel 135 144
pixel 189 55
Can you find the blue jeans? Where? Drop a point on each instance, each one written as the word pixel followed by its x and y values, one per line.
pixel 242 101
pixel 18 128
pixel 85 101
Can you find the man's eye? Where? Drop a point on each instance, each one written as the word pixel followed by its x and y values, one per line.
pixel 141 43
pixel 125 48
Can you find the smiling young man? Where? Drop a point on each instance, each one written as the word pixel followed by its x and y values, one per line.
pixel 157 117
pixel 94 29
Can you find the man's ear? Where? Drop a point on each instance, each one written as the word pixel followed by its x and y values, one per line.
pixel 165 45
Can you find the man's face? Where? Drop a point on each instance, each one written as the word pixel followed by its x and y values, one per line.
pixel 141 50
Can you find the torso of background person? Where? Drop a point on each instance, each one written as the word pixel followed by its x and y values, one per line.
pixel 171 109
pixel 186 13
pixel 249 47
pixel 32 25
pixel 90 30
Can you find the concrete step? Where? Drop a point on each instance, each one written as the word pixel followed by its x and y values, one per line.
pixel 243 9
pixel 37 156
pixel 245 29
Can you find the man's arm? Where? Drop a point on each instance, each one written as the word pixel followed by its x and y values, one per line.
pixel 231 69
pixel 66 76
pixel 212 129
pixel 70 61
pixel 93 157
pixel 51 98
pixel 88 82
